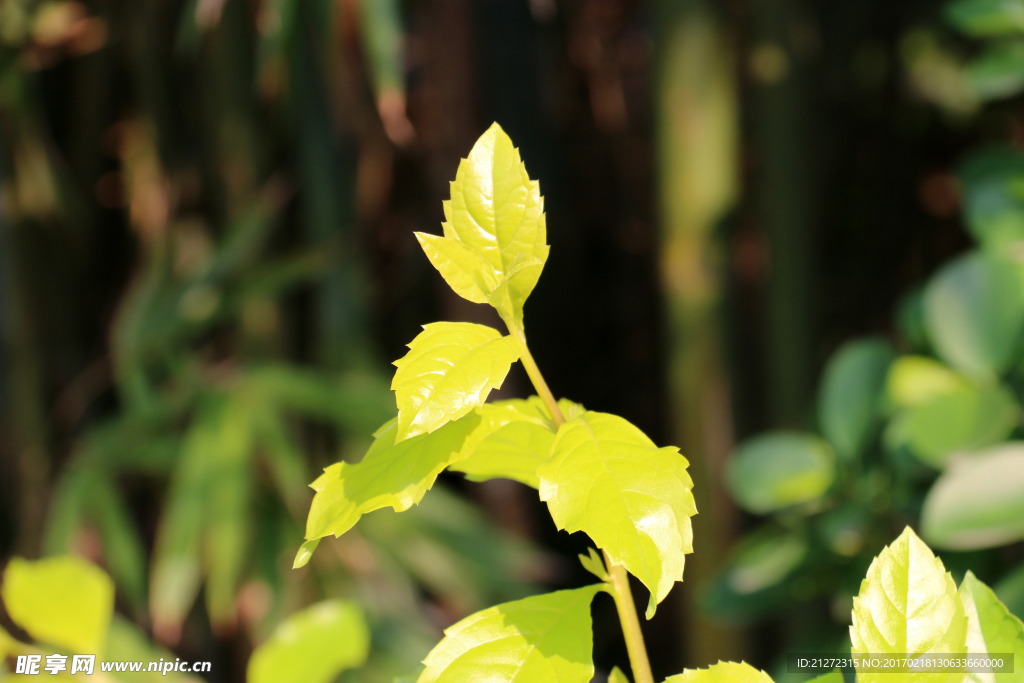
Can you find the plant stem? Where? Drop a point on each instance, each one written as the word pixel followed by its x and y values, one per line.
pixel 638 661
pixel 534 372
pixel 618 580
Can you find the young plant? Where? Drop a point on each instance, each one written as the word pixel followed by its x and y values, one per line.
pixel 597 472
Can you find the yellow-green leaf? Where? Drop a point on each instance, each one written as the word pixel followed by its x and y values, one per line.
pixel 834 676
pixel 723 672
pixel 64 601
pixel 541 639
pixel 449 370
pixel 390 474
pixel 513 439
pixel 313 646
pixel 991 629
pixel 616 676
pixel 606 478
pixel 917 380
pixel 497 212
pixel 908 604
pixel 466 271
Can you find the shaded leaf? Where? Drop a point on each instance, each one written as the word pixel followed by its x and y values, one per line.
pixel 126 643
pixel 987 17
pixel 851 394
pixel 991 629
pixel 908 604
pixel 974 309
pixel 993 200
pixel 723 672
pixel 999 71
pixel 449 370
pixel 916 380
pixel 780 469
pixel 390 474
pixel 606 478
pixel 978 502
pixel 313 646
pixel 64 601
pixel 540 639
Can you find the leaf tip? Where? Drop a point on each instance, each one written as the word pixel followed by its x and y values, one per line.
pixel 305 553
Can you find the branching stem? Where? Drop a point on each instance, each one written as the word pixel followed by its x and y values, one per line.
pixel 618 580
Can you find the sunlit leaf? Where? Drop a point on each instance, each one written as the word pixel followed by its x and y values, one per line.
pixel 851 394
pixel 834 676
pixel 64 601
pixel 974 309
pixel 908 604
pixel 606 478
pixel 915 380
pixel 391 474
pixel 978 502
pixel 991 629
pixel 780 469
pixel 987 17
pixel 496 213
pixel 594 564
pixel 616 676
pixel 541 639
pixel 313 646
pixel 723 672
pixel 449 370
pixel 965 419
pixel 513 439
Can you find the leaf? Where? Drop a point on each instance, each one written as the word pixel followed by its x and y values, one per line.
pixel 313 646
pixel 606 478
pixel 850 394
pixel 916 380
pixel 991 629
pixel 466 271
pixel 390 474
pixel 993 200
pixel 513 439
pixel 778 470
pixel 593 563
pixel 723 672
pixel 974 308
pixel 999 71
pixel 616 676
pixel 540 639
pixel 987 17
pixel 908 604
pixel 765 560
pixel 1010 590
pixel 496 214
pixel 305 553
pixel 978 502
pixel 834 676
pixel 966 419
pixel 63 601
pixel 125 642
pixel 123 549
pixel 449 370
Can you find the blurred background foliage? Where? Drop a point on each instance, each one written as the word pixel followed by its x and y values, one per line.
pixel 791 225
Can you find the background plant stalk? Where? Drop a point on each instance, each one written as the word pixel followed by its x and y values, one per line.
pixel 618 580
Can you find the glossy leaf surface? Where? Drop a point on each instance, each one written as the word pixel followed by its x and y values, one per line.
pixel 494 245
pixel 64 601
pixel 449 370
pixel 991 629
pixel 978 502
pixel 908 604
pixel 389 475
pixel 974 308
pixel 514 437
pixel 780 469
pixel 606 478
pixel 540 639
pixel 851 394
pixel 313 646
pixel 723 672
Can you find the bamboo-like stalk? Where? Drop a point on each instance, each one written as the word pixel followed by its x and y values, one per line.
pixel 697 141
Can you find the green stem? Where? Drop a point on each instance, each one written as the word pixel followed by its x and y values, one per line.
pixel 618 581
pixel 534 372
